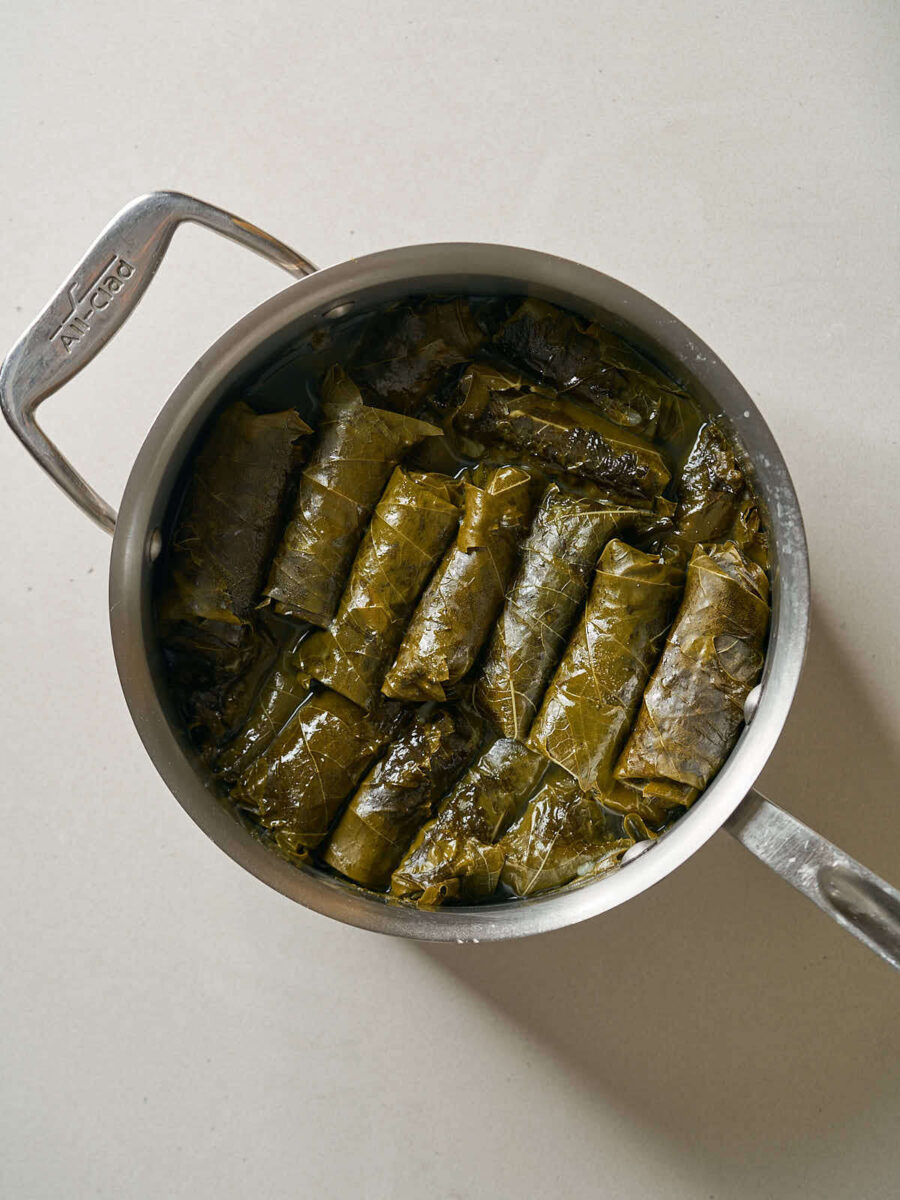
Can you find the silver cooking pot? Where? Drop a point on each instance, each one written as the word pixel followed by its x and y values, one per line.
pixel 101 293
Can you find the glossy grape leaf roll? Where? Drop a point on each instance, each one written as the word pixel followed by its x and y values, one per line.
pixel 408 350
pixel 213 669
pixel 748 532
pixel 494 406
pixel 594 695
pixel 454 856
pixel 356 449
pixel 280 694
pixel 412 524
pixel 298 784
pixel 710 487
pixel 590 362
pixel 715 500
pixel 398 795
pixel 549 588
pixel 461 603
pixel 562 834
pixel 229 522
pixel 693 707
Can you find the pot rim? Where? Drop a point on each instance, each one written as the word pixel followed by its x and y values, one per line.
pixel 445 267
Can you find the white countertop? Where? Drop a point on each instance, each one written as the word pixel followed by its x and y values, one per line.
pixel 172 1028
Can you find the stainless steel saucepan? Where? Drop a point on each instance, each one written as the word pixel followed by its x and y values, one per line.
pixel 100 294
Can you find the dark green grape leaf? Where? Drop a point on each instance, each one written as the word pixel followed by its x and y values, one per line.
pixel 710 488
pixel 590 362
pixel 408 350
pixel 562 835
pixel 461 603
pixel 230 518
pixel 413 522
pixel 594 695
pixel 500 407
pixel 454 855
pixel 298 784
pixel 693 707
pixel 213 669
pixel 356 450
pixel 543 603
pixel 398 795
pixel 279 696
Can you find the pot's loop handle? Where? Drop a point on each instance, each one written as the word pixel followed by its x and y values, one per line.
pixel 97 298
pixel 848 892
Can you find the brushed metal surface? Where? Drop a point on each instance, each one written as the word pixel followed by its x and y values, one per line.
pixel 840 886
pixel 97 298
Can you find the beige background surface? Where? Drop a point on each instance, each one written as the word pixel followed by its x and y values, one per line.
pixel 172 1028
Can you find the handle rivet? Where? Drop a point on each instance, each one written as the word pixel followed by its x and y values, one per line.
pixel 338 310
pixel 751 704
pixel 154 545
pixel 636 850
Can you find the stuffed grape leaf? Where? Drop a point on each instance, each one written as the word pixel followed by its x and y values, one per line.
pixel 299 782
pixel 356 450
pixel 230 517
pixel 544 600
pixel 562 834
pixel 398 795
pixel 501 407
pixel 747 531
pixel 406 352
pixel 454 856
pixel 590 362
pixel 710 488
pixel 461 603
pixel 592 700
pixel 280 695
pixel 213 669
pixel 413 522
pixel 693 707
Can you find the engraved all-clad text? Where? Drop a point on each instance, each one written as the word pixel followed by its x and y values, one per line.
pixel 98 295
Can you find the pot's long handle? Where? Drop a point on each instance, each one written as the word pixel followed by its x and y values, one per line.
pixel 848 892
pixel 97 298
